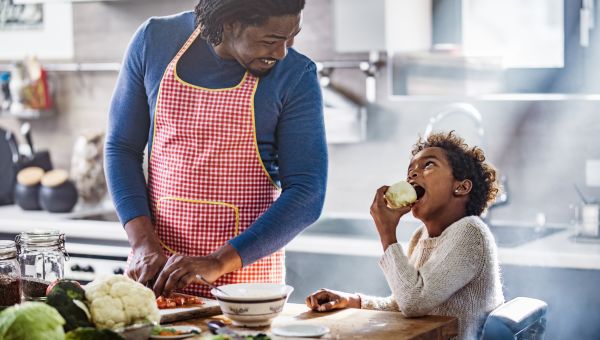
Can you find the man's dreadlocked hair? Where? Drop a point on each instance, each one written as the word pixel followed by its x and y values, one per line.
pixel 467 163
pixel 211 15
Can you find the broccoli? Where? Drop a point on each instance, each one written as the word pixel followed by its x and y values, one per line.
pixel 68 298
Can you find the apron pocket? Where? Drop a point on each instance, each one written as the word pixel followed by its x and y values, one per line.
pixel 195 227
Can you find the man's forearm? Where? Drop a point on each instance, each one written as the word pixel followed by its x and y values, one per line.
pixel 228 258
pixel 140 233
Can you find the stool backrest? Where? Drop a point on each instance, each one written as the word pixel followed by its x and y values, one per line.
pixel 520 318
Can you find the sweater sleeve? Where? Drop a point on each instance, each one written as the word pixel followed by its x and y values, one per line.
pixel 127 135
pixel 302 158
pixel 455 262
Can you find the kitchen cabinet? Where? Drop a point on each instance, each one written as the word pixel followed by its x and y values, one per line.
pixel 382 25
pixel 487 49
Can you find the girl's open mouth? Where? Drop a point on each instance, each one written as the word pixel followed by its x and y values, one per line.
pixel 420 191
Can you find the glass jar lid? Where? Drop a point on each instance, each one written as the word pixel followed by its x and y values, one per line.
pixel 8 250
pixel 41 238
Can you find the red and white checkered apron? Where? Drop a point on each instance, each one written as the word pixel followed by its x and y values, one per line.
pixel 207 181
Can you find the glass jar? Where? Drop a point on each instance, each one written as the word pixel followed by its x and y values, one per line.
pixel 10 275
pixel 42 258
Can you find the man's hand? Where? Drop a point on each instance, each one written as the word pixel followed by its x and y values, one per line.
pixel 148 257
pixel 325 300
pixel 146 264
pixel 180 271
pixel 386 219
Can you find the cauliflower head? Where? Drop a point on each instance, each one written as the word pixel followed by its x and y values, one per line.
pixel 118 301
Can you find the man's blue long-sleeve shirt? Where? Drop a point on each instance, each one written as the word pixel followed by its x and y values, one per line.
pixel 289 128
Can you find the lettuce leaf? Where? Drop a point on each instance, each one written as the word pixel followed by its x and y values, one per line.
pixel 31 321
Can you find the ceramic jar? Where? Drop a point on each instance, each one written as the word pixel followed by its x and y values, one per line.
pixel 28 187
pixel 57 193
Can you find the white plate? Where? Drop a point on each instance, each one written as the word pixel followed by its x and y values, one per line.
pixel 307 331
pixel 178 328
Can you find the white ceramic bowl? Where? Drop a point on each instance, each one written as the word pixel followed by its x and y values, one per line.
pixel 252 304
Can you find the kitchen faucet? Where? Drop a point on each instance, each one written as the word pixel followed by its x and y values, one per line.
pixel 468 110
pixel 458 109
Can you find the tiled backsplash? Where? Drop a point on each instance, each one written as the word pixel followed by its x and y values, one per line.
pixel 540 146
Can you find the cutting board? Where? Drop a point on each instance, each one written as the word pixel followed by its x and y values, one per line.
pixel 209 308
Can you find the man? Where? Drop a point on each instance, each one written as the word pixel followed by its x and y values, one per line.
pixel 237 156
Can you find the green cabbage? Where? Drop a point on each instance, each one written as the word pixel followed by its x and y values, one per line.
pixel 31 321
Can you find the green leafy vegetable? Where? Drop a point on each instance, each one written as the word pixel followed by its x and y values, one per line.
pixel 32 321
pixel 67 297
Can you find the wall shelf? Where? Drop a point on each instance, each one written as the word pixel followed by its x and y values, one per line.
pixel 28 114
pixel 74 67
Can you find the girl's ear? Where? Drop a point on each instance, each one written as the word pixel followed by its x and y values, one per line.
pixel 463 188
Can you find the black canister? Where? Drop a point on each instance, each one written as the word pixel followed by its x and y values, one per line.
pixel 57 193
pixel 28 187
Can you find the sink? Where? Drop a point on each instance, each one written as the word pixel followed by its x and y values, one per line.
pixel 513 236
pixel 361 228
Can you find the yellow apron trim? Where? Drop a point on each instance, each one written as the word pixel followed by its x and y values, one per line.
pixel 236 212
pixel 255 141
pixel 182 51
pixel 156 113
pixel 167 247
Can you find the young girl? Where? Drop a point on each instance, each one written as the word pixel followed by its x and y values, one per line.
pixel 450 266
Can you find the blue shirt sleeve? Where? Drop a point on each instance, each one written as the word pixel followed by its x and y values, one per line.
pixel 127 135
pixel 302 170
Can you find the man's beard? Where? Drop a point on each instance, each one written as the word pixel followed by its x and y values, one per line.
pixel 259 73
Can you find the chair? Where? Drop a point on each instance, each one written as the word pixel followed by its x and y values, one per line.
pixel 520 318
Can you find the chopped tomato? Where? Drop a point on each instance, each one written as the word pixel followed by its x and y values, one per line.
pixel 177 300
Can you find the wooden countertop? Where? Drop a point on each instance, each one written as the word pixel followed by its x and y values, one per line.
pixel 354 324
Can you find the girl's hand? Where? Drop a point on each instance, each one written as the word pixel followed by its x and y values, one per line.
pixel 325 300
pixel 386 219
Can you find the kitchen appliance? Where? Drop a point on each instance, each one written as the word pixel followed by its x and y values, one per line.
pixel 34 158
pixel 9 165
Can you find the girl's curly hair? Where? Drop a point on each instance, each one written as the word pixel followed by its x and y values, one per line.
pixel 211 15
pixel 467 163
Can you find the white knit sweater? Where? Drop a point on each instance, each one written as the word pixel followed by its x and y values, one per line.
pixel 454 274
